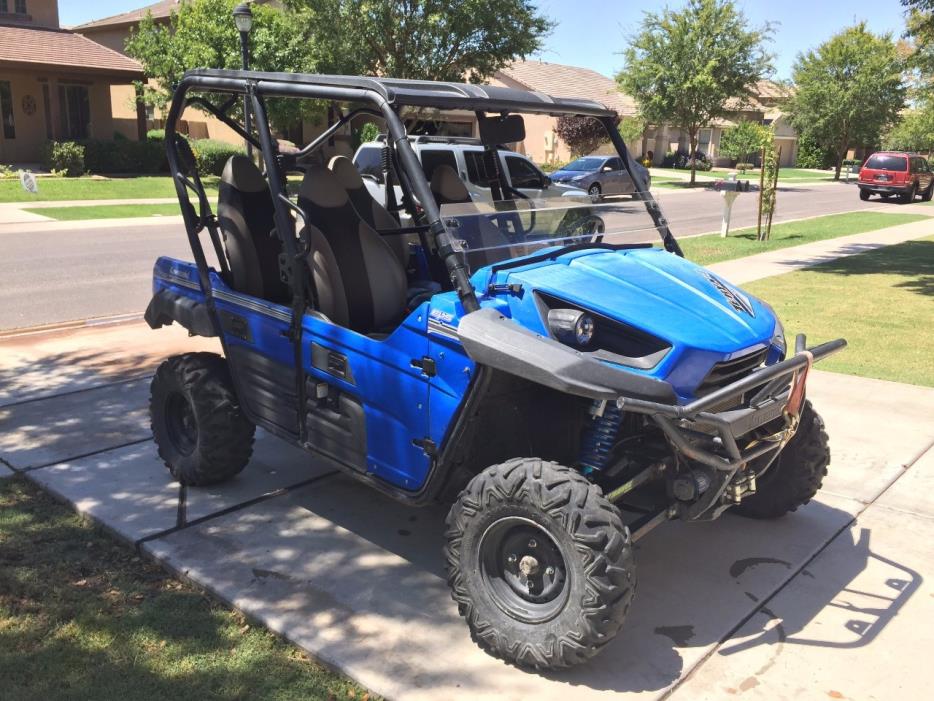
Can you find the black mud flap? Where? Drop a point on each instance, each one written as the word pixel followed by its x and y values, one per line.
pixel 493 340
pixel 167 306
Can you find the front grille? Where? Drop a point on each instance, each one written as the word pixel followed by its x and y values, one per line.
pixel 729 371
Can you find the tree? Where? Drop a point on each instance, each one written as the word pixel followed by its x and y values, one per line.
pixel 425 39
pixel 582 134
pixel 742 140
pixel 202 34
pixel 688 67
pixel 631 129
pixel 848 91
pixel 914 130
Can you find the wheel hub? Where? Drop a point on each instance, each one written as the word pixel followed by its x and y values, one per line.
pixel 523 569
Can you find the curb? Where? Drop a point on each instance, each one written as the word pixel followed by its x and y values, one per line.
pixel 70 325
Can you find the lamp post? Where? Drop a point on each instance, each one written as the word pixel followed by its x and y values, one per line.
pixel 243 18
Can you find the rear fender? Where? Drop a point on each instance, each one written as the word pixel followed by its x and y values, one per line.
pixel 168 305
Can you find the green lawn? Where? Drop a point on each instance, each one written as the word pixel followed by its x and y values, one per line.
pixel 93 188
pixel 82 617
pixel 107 211
pixel 882 302
pixel 783 174
pixel 742 242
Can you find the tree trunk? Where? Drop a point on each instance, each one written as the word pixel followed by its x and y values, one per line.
pixel 693 139
pixel 840 154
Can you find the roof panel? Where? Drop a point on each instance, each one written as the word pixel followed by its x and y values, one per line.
pixel 417 93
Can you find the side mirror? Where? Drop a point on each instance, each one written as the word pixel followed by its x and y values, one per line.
pixel 606 169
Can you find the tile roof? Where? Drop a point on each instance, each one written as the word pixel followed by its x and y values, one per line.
pixel 61 49
pixel 570 81
pixel 160 9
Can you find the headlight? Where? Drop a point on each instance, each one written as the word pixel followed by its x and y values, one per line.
pixel 571 326
pixel 778 336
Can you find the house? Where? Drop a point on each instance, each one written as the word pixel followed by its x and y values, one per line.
pixel 763 107
pixel 55 84
pixel 542 144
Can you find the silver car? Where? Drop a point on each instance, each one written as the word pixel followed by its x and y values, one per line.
pixel 600 176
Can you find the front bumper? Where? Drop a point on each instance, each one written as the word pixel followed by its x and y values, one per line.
pixel 705 432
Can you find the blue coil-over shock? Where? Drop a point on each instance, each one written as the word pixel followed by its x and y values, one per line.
pixel 600 436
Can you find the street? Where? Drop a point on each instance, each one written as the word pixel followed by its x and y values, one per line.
pixel 51 276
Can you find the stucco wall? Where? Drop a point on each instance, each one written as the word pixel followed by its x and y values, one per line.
pixel 32 130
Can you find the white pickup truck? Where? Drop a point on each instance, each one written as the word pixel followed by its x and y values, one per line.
pixel 466 156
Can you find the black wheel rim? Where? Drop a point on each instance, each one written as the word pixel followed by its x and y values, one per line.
pixel 523 569
pixel 180 423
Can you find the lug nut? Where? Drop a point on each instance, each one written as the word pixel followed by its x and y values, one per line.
pixel 550 571
pixel 532 542
pixel 511 559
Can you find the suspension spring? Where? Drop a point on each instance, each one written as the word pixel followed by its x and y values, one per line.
pixel 600 436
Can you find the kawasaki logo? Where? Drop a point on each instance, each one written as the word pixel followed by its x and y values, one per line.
pixel 737 300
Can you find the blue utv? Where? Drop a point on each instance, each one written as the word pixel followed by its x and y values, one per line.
pixel 544 367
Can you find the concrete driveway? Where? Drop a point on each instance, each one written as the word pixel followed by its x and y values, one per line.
pixel 834 601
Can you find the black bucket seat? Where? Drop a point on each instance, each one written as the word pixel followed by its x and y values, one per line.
pixel 246 218
pixel 360 262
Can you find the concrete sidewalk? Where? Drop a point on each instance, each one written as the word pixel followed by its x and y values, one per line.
pixel 357 580
pixel 743 270
pixel 15 212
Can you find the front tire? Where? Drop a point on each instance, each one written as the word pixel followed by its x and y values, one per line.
pixel 539 564
pixel 595 193
pixel 797 473
pixel 199 428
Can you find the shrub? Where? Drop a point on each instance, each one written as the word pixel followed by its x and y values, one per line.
pixel 155 135
pixel 124 156
pixel 582 134
pixel 211 156
pixel 65 156
pixel 700 162
pixel 368 132
pixel 812 155
pixel 743 167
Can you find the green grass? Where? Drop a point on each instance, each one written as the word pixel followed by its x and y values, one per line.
pixel 742 242
pixel 784 174
pixel 882 302
pixel 93 188
pixel 107 211
pixel 82 617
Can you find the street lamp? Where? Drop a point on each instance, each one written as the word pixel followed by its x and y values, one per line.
pixel 243 18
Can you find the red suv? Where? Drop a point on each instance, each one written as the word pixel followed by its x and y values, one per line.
pixel 889 173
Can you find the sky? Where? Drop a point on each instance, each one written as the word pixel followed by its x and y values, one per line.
pixel 591 33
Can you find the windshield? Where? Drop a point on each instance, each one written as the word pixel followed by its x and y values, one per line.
pixel 494 232
pixel 584 164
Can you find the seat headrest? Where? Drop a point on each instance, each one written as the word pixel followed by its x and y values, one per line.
pixel 241 173
pixel 321 187
pixel 346 172
pixel 447 183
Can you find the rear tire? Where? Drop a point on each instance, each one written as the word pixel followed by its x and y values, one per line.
pixel 864 195
pixel 539 564
pixel 926 196
pixel 796 475
pixel 199 428
pixel 909 196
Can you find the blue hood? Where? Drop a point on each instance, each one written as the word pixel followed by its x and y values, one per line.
pixel 657 292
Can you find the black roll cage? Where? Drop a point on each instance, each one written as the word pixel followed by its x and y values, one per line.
pixel 381 98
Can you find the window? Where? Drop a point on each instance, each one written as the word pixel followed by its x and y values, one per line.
pixel 47 110
pixel 882 161
pixel 615 164
pixel 477 172
pixel 523 174
pixel 432 158
pixel 703 141
pixel 75 107
pixel 6 110
pixel 20 7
